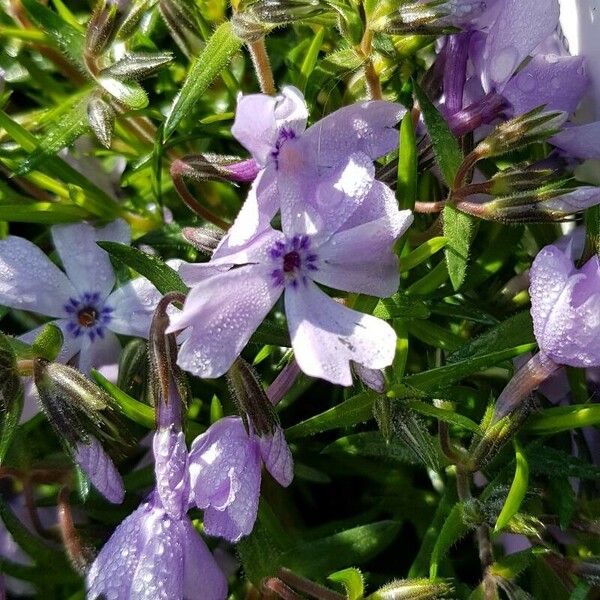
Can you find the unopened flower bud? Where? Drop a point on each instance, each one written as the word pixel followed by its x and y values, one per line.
pixel 416 18
pixel 412 589
pixel 372 378
pixel 205 239
pixel 251 398
pixel 534 126
pixel 278 12
pixel 101 28
pixel 248 27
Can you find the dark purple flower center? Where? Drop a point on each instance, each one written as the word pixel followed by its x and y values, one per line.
pixel 291 261
pixel 284 136
pixel 294 260
pixel 87 315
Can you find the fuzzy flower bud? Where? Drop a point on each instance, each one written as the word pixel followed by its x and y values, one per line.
pixel 412 589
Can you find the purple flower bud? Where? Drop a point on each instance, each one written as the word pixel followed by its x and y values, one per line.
pixel 565 305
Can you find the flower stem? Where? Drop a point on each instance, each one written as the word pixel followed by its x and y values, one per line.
pixel 315 590
pixel 371 77
pixel 262 66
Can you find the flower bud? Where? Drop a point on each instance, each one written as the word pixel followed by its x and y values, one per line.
pixel 48 342
pixel 248 27
pixel 215 167
pixel 251 398
pixel 534 126
pixel 412 589
pixel 416 18
pixel 279 12
pixel 204 239
pixel 101 28
pixel 371 378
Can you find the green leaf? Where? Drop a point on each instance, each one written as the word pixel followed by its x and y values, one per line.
pixel 310 58
pixel 436 379
pixel 563 418
pixel 424 252
pixel 219 49
pixel 47 213
pixel 515 330
pixel 550 461
pixel 452 531
pixel 408 158
pixel 445 146
pixel 517 491
pixel 355 546
pixel 511 566
pixel 352 580
pixel 11 396
pixel 129 93
pixel 401 306
pixel 164 278
pixel 65 36
pixel 459 231
pixel 60 134
pixel 371 444
pixel 441 414
pixel 354 410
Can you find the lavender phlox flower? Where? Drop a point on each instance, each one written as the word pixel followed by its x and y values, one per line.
pixel 274 130
pixel 81 299
pixel 156 553
pixel 565 306
pixel 225 474
pixel 351 249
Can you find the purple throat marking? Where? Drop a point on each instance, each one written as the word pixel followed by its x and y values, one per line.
pixel 284 135
pixel 295 261
pixel 87 316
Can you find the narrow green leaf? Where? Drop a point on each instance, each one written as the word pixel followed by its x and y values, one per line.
pixel 136 411
pixel 434 379
pixel 354 410
pixel 47 213
pixel 563 418
pixel 517 329
pixel 371 444
pixel 408 158
pixel 48 343
pixel 517 491
pixel 60 134
pixel 65 36
pixel 164 278
pixel 511 566
pixel 218 51
pixel 310 58
pixel 354 546
pixel 443 415
pixel 11 395
pixel 424 252
pixel 401 306
pixel 352 580
pixel 445 145
pixel 454 529
pixel 549 461
pixel 459 231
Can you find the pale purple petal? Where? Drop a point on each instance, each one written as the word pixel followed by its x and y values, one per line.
pixel 224 465
pixel 133 305
pixel 520 27
pixel 100 469
pixel 579 141
pixel 86 264
pixel 255 215
pixel 170 467
pixel 253 252
pixel 202 577
pixel 215 459
pixel 29 281
pixel 558 82
pixel 111 572
pixel 277 456
pixel 223 312
pixel 322 206
pixel 362 259
pixel 367 127
pixel 159 574
pixel 101 352
pixel 565 306
pixel 259 119
pixel 326 336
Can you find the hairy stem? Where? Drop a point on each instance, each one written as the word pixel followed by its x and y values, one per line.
pixel 371 77
pixel 262 66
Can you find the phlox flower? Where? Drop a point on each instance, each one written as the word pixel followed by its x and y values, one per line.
pixel 273 130
pixel 225 473
pixel 155 553
pixel 81 299
pixel 351 249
